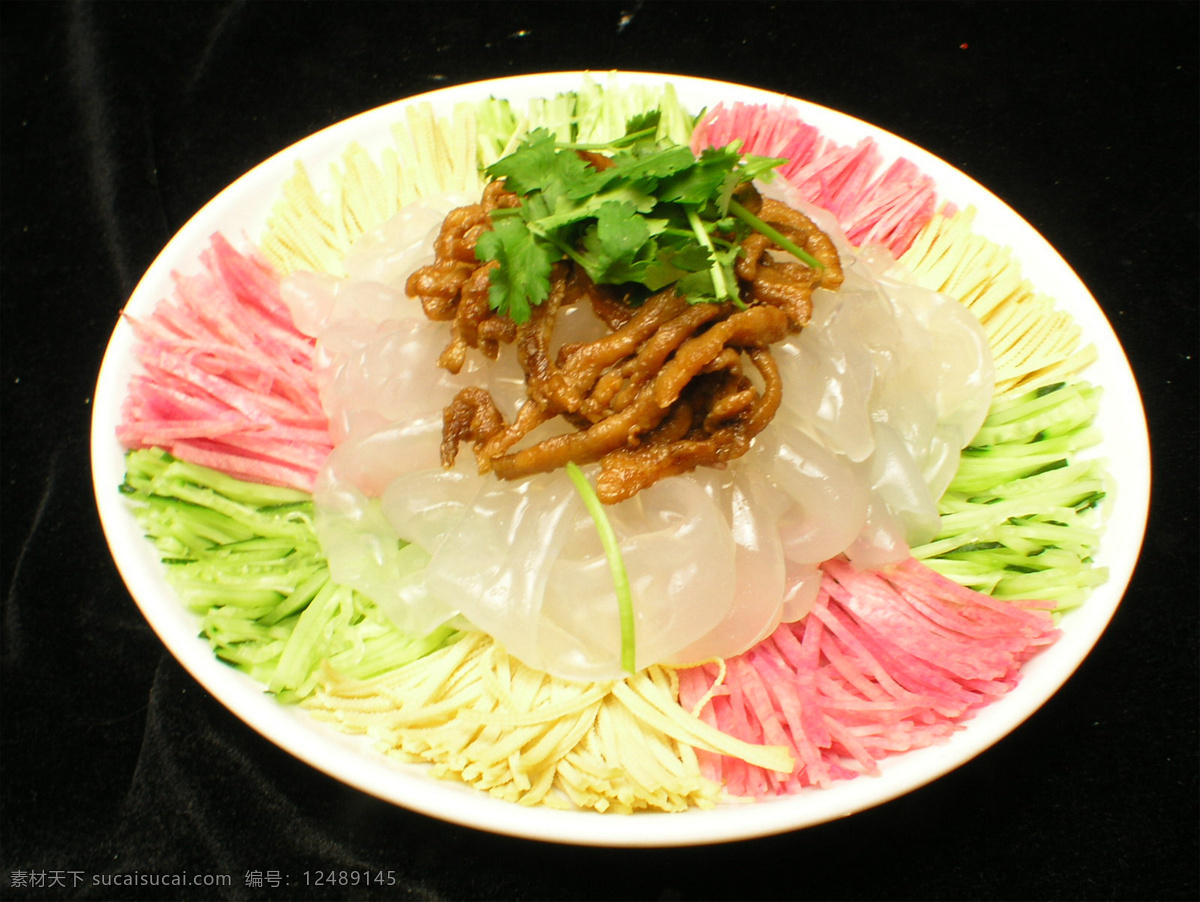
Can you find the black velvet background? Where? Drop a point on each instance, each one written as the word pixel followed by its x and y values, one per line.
pixel 121 119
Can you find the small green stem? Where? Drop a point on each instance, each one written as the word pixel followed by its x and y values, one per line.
pixel 720 288
pixel 717 240
pixel 759 226
pixel 616 144
pixel 616 566
pixel 549 237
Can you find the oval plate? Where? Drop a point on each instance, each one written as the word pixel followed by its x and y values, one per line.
pixel 242 209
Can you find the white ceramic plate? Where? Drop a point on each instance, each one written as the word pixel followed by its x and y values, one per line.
pixel 241 210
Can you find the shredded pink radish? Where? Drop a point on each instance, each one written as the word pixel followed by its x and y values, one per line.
pixel 886 662
pixel 887 208
pixel 227 380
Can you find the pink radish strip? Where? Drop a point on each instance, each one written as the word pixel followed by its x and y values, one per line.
pixel 879 667
pixel 252 469
pixel 226 379
pixel 889 208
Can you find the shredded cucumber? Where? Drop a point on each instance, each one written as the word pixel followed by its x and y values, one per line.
pixel 495 126
pixel 1022 517
pixel 602 111
pixel 244 557
pixel 596 113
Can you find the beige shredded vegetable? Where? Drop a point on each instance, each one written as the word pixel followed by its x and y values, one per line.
pixel 479 715
pixel 1033 344
pixel 313 231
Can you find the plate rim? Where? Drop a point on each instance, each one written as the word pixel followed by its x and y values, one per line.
pixel 406 785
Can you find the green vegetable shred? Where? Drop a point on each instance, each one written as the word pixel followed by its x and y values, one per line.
pixel 244 557
pixel 1021 518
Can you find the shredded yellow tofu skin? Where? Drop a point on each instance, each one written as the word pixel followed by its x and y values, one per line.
pixel 1033 344
pixel 478 715
pixel 312 231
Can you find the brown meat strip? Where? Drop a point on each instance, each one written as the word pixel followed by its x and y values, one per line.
pixel 662 393
pixel 472 415
pixel 625 472
pixel 455 286
pixel 755 327
pixel 783 283
pixel 579 372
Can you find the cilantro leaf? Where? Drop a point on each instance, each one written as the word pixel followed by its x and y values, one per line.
pixel 656 216
pixel 525 169
pixel 763 168
pixel 538 166
pixel 523 277
pixel 698 288
pixel 674 261
pixel 642 123
pixel 700 182
pixel 611 246
pixel 725 195
pixel 713 284
pixel 567 211
pixel 656 165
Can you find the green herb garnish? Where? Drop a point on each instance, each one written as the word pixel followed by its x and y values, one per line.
pixel 658 216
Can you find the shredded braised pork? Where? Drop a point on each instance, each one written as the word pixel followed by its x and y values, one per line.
pixel 665 391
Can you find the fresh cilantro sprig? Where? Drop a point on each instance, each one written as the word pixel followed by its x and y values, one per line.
pixel 657 216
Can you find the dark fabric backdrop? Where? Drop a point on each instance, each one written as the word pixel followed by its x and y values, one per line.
pixel 121 119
